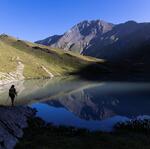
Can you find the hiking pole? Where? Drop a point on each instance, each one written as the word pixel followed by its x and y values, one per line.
pixel 7 100
pixel 16 98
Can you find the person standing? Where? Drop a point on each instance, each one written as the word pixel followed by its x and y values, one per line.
pixel 12 94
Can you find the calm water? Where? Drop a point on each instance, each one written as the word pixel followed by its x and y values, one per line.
pixel 85 104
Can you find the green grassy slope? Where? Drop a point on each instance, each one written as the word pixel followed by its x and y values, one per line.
pixel 34 56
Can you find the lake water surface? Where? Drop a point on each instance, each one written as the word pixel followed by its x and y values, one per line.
pixel 95 105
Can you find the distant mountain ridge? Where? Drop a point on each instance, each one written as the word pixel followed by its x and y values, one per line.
pixel 50 40
pixel 125 42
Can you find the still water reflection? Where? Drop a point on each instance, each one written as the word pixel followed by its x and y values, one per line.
pixel 75 102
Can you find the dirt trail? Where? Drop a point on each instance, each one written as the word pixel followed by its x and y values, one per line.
pixel 17 75
pixel 47 71
pixel 6 78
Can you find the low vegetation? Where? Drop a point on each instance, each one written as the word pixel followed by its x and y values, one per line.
pixel 138 126
pixel 40 135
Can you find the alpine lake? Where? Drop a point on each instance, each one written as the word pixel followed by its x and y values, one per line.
pixel 72 101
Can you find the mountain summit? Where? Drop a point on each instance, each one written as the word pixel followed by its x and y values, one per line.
pixel 125 42
pixel 79 36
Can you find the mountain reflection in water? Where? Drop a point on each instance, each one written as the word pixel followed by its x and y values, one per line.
pixel 92 105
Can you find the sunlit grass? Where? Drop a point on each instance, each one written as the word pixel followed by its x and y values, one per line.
pixel 33 56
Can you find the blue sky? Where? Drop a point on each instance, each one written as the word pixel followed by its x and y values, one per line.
pixel 37 19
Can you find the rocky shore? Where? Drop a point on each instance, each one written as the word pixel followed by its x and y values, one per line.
pixel 12 122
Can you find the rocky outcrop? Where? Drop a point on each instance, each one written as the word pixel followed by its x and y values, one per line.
pixel 12 122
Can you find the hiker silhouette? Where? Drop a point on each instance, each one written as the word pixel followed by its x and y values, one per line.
pixel 12 94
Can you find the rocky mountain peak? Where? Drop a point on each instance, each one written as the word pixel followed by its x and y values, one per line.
pixel 127 41
pixel 79 36
pixel 93 27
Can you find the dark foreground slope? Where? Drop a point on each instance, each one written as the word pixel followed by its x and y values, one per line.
pixel 45 136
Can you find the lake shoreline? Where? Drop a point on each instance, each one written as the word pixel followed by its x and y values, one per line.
pixel 21 128
pixel 64 137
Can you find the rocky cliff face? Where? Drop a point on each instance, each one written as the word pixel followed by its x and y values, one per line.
pixel 126 42
pixel 78 37
pixel 12 122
